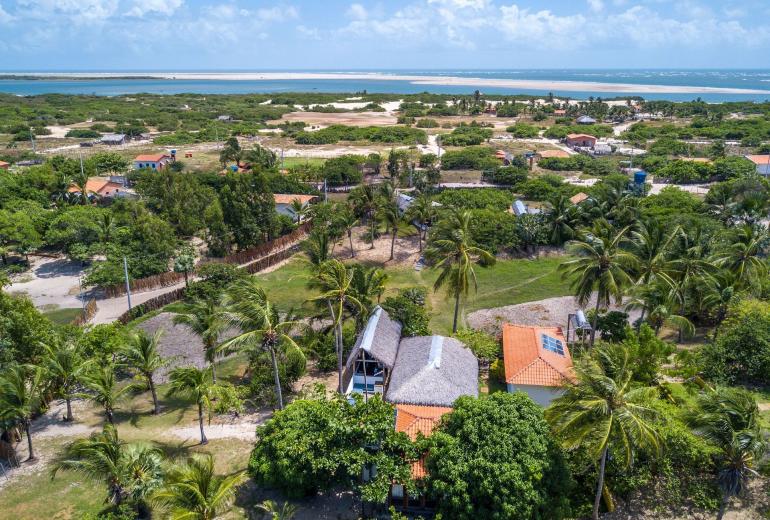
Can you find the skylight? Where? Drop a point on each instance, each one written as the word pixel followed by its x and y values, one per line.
pixel 553 344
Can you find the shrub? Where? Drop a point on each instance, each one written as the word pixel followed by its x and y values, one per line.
pixel 82 133
pixel 408 308
pixel 470 158
pixel 507 175
pixel 427 123
pixel 523 130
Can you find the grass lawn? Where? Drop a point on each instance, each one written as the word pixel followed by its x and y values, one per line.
pixel 507 283
pixel 289 162
pixel 63 315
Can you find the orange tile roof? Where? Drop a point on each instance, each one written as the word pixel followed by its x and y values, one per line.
pixel 759 160
pixel 528 363
pixel 704 160
pixel 580 136
pixel 96 185
pixel 156 157
pixel 414 419
pixel 578 198
pixel 4 164
pixel 552 153
pixel 283 198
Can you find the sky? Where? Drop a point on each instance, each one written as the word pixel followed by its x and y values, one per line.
pixel 394 34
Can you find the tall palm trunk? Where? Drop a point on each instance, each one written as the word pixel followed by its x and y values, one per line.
pixel 457 310
pixel 27 424
pixel 600 485
pixel 210 358
pixel 277 378
pixel 337 344
pixel 155 405
pixel 350 238
pixel 371 227
pixel 393 242
pixel 723 505
pixel 70 418
pixel 204 440
pixel 110 418
pixel 419 238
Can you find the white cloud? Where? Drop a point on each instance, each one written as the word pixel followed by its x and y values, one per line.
pixel 5 17
pixel 71 11
pixel 542 28
pixel 462 4
pixel 165 7
pixel 277 14
pixel 596 6
pixel 357 12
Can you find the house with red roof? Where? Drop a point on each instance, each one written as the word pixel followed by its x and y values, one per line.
pixel 5 165
pixel 580 140
pixel 155 161
pixel 762 162
pixel 101 187
pixel 537 361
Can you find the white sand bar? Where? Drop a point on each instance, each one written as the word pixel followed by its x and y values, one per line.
pixel 415 79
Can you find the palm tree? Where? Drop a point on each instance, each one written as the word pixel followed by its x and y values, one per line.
pixel 205 320
pixel 198 385
pixel 194 492
pixel 603 411
pixel 80 181
pixel 335 282
pixel 562 215
pixel 261 325
pixel 421 213
pixel 317 246
pixel 729 419
pixel 141 354
pixel 274 511
pixel 20 397
pixel 392 216
pixel 451 251
pixel 368 283
pixel 104 389
pixel 107 225
pixel 64 367
pixel 298 209
pixel 743 256
pixel 720 291
pixel 364 200
pixel 131 472
pixel 348 220
pixel 601 267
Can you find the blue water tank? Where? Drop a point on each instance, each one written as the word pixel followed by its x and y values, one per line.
pixel 519 208
pixel 234 168
pixel 640 177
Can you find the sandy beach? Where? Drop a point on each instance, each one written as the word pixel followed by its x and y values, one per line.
pixel 565 86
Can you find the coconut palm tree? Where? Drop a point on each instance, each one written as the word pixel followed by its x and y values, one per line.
pixel 601 266
pixel 198 385
pixel 205 320
pixel 65 365
pixel 335 280
pixel 316 246
pixel 80 181
pixel 107 225
pixel 720 291
pixel 262 326
pixel 651 244
pixel 421 213
pixel 275 511
pixel 364 200
pixel 390 213
pixel 103 389
pixel 729 419
pixel 602 411
pixel 141 355
pixel 563 216
pixel 368 283
pixel 131 472
pixel 298 209
pixel 194 492
pixel 20 397
pixel 450 250
pixel 348 220
pixel 743 257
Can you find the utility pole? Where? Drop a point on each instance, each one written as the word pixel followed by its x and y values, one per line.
pixel 32 139
pixel 128 285
pixel 82 297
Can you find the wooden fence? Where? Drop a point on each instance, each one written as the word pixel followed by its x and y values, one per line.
pixel 242 257
pixel 88 312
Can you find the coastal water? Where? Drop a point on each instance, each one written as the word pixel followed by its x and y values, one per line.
pixel 732 79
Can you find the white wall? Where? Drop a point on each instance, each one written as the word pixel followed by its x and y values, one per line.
pixel 542 395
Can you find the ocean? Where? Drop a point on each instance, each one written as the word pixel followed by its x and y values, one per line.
pixel 758 79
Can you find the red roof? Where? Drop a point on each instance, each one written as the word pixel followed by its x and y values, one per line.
pixel 157 157
pixel 413 419
pixel 283 198
pixel 581 136
pixel 4 164
pixel 759 160
pixel 527 362
pixel 97 185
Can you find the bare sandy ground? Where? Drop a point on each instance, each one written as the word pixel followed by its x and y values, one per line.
pixel 418 80
pixel 339 118
pixel 50 282
pixel 406 249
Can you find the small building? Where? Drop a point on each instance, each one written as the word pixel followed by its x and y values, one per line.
pixel 283 203
pixel 537 361
pixel 602 149
pixel 560 112
pixel 548 154
pixel 762 163
pixel 114 139
pixel 101 187
pixel 4 165
pixel 225 118
pixel 578 198
pixel 585 120
pixel 156 161
pixel 580 140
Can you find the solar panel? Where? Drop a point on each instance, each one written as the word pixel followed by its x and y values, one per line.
pixel 553 344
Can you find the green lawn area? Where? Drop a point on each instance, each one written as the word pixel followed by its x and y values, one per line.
pixel 507 283
pixel 289 162
pixel 63 316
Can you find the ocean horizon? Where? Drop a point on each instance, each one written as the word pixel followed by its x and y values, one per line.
pixel 686 84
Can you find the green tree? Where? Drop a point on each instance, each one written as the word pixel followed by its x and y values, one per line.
pixel 391 214
pixel 275 511
pixel 298 209
pixel 198 385
pixel 184 263
pixel 601 266
pixel 205 320
pixel 450 250
pixel 103 389
pixel 131 472
pixel 65 365
pixel 729 419
pixel 348 220
pixel 262 328
pixel 231 151
pixel 494 457
pixel 603 411
pixel 364 200
pixel 248 208
pixel 483 345
pixel 193 491
pixel 744 255
pixel 142 355
pixel 421 212
pixel 20 398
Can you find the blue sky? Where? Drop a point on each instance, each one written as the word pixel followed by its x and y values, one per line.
pixel 393 34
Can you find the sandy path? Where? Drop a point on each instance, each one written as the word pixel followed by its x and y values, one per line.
pixel 224 427
pixel 51 281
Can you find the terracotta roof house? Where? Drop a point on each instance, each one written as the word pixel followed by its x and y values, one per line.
pixel 153 161
pixel 4 165
pixel 283 203
pixel 580 140
pixel 546 154
pixel 762 163
pixel 578 198
pixel 100 187
pixel 415 419
pixel 559 112
pixel 537 361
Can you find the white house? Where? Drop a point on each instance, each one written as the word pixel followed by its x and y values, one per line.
pixel 537 361
pixel 156 161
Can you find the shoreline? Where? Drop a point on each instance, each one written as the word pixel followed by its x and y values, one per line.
pixel 556 85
